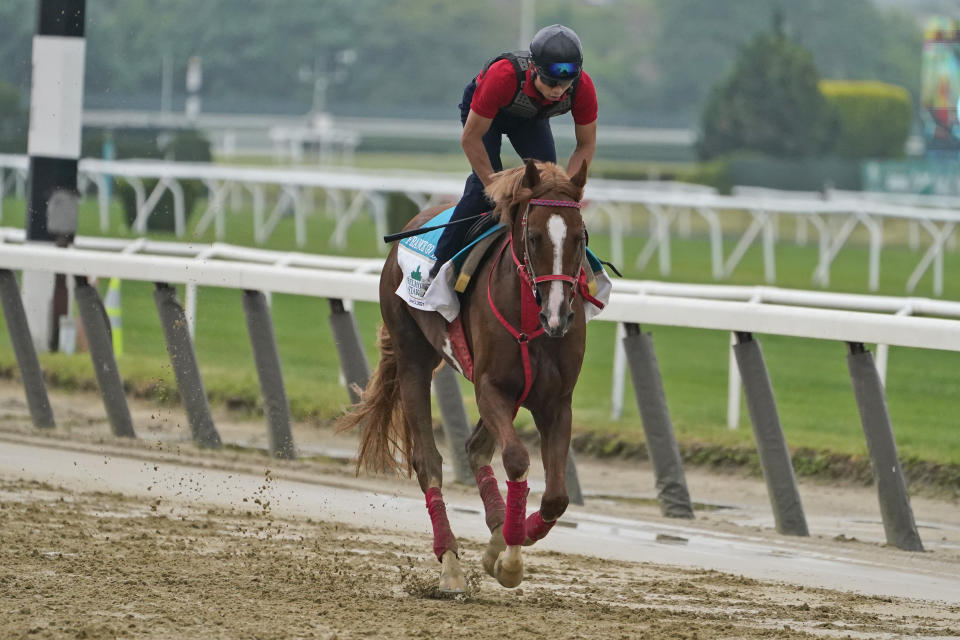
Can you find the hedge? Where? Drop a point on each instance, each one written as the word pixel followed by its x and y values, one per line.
pixel 874 118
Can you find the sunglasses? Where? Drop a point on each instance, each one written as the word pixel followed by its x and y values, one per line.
pixel 561 71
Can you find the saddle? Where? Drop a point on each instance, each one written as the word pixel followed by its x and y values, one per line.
pixel 480 238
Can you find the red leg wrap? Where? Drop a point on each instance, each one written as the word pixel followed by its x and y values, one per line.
pixel 443 539
pixel 514 528
pixel 537 528
pixel 493 506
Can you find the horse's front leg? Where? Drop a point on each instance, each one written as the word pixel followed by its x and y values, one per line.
pixel 554 424
pixel 496 410
pixel 480 449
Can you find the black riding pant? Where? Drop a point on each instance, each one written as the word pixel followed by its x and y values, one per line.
pixel 531 138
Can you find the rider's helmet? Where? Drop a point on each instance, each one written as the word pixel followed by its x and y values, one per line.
pixel 556 54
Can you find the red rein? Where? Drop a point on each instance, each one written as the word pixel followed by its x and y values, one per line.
pixel 529 303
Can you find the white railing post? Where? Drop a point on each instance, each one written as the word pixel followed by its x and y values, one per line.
pixel 733 387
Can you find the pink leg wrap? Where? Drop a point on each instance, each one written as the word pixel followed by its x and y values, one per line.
pixel 443 539
pixel 493 506
pixel 514 528
pixel 537 528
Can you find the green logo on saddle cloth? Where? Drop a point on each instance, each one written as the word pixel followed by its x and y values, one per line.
pixel 415 284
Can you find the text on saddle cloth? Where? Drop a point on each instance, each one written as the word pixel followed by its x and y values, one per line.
pixel 415 256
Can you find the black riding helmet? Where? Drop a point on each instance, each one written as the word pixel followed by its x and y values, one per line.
pixel 556 53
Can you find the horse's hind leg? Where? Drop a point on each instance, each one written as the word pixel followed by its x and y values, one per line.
pixel 416 361
pixel 480 448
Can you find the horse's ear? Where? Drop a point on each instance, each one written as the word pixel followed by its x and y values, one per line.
pixel 531 176
pixel 579 179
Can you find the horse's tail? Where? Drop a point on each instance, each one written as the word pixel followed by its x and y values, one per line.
pixel 385 440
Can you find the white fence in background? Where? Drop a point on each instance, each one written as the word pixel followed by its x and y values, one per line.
pixel 883 320
pixel 349 194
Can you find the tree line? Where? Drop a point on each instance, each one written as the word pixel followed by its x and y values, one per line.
pixel 654 61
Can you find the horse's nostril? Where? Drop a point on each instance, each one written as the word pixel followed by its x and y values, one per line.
pixel 543 318
pixel 570 317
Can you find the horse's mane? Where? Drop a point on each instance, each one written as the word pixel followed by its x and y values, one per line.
pixel 507 188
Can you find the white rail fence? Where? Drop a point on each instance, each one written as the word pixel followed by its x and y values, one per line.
pixel 834 217
pixel 883 320
pixel 742 310
pixel 781 312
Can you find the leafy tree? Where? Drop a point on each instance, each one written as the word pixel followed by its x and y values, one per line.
pixel 417 57
pixel 16 30
pixel 852 40
pixel 619 43
pixel 770 103
pixel 653 61
pixel 697 40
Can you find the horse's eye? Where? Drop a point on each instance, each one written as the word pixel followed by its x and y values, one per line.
pixel 534 240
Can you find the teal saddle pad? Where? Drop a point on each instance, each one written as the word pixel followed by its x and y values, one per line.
pixel 425 244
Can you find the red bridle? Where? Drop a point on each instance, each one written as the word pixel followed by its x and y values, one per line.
pixel 530 299
pixel 526 268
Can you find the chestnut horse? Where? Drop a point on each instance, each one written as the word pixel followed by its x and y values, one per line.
pixel 512 366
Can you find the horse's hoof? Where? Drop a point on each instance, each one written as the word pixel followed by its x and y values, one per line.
pixel 494 548
pixel 452 579
pixel 508 569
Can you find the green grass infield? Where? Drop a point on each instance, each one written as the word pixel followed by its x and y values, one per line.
pixel 810 379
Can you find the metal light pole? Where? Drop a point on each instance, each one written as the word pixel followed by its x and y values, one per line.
pixel 323 74
pixel 194 83
pixel 526 23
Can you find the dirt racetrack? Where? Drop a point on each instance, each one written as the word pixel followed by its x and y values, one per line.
pixel 154 539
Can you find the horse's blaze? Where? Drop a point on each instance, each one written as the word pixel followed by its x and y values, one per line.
pixel 556 301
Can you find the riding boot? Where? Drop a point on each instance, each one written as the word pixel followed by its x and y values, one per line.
pixel 474 201
pixel 450 242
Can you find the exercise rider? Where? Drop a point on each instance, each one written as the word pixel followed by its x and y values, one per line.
pixel 515 95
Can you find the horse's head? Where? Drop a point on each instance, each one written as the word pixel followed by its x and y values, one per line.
pixel 541 205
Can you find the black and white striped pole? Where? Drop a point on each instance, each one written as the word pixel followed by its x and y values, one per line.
pixel 56 109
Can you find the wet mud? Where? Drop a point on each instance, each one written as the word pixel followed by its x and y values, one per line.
pixel 102 565
pixel 81 562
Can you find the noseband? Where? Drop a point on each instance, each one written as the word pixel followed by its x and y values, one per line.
pixel 526 268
